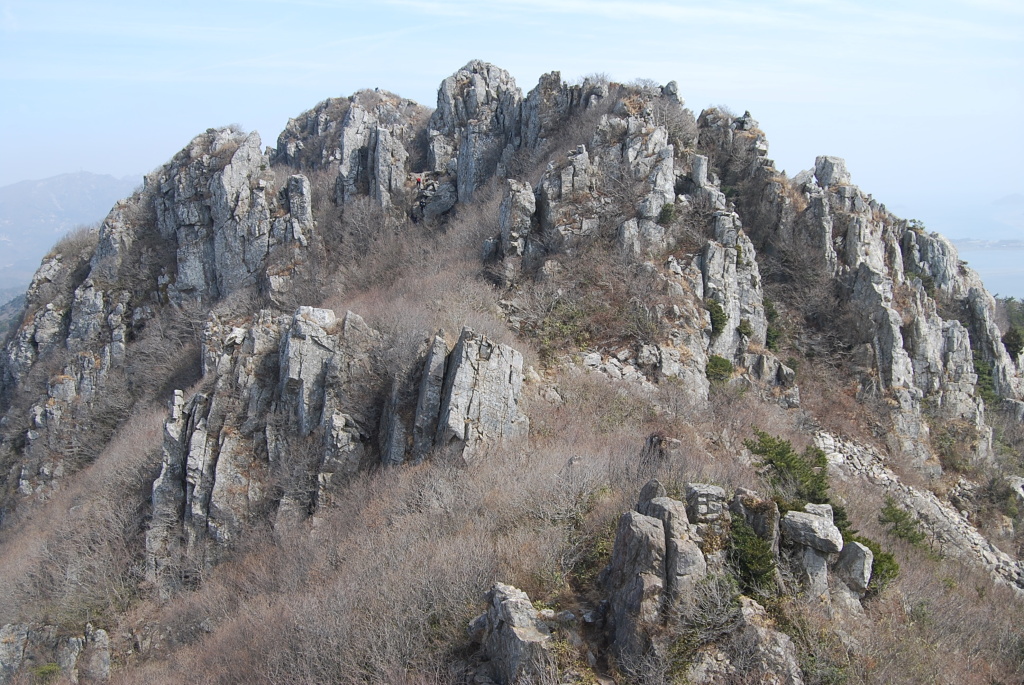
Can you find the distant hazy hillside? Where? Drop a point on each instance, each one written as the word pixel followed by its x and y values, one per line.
pixel 999 262
pixel 34 214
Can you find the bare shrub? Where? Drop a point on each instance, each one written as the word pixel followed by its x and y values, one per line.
pixel 599 301
pixel 678 121
pixel 77 243
pixel 79 556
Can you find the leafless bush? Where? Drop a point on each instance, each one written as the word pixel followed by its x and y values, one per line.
pixel 79 556
pixel 598 300
pixel 77 243
pixel 678 121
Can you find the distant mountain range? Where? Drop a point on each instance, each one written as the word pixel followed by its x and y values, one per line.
pixel 35 214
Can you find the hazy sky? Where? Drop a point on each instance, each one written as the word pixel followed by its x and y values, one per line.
pixel 923 99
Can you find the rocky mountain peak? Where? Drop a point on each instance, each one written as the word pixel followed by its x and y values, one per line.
pixel 623 274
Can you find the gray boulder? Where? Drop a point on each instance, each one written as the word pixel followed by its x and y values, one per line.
pixel 831 171
pixel 822 510
pixel 652 489
pixel 480 397
pixel 854 567
pixel 812 531
pixel 514 638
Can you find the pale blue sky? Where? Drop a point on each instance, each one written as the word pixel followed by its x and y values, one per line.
pixel 923 99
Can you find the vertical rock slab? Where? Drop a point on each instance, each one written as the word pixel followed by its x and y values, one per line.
pixel 478 114
pixel 480 396
pixel 310 343
pixel 684 561
pixel 515 218
pixel 13 637
pixel 428 404
pixel 731 277
pixel 636 583
pixel 515 639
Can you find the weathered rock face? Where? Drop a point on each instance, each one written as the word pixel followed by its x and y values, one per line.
pixel 79 331
pixel 655 565
pixel 516 218
pixel 706 507
pixel 365 140
pixel 480 396
pixel 478 114
pixel 29 649
pixel 515 639
pixel 298 405
pixel 466 399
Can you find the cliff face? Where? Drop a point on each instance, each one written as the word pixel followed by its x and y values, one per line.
pixel 620 235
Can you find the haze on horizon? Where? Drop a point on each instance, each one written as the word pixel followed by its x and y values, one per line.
pixel 919 99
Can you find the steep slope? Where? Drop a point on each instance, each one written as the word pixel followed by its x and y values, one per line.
pixel 255 371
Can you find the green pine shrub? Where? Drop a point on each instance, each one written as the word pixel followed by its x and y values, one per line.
pixel 718 317
pixel 901 523
pixel 718 369
pixel 752 559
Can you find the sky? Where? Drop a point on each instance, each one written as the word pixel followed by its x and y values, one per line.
pixel 923 99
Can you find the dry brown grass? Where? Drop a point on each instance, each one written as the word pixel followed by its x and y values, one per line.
pixel 78 556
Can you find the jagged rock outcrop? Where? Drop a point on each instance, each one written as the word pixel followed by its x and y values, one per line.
pixel 298 405
pixel 516 642
pixel 224 449
pixel 655 565
pixel 212 204
pixel 629 172
pixel 893 277
pixel 365 141
pixel 289 401
pixel 655 591
pixel 948 530
pixel 478 115
pixel 46 652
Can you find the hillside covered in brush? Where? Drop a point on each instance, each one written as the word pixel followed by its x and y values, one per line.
pixel 570 387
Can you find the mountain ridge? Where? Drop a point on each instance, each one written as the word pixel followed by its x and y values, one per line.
pixel 586 250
